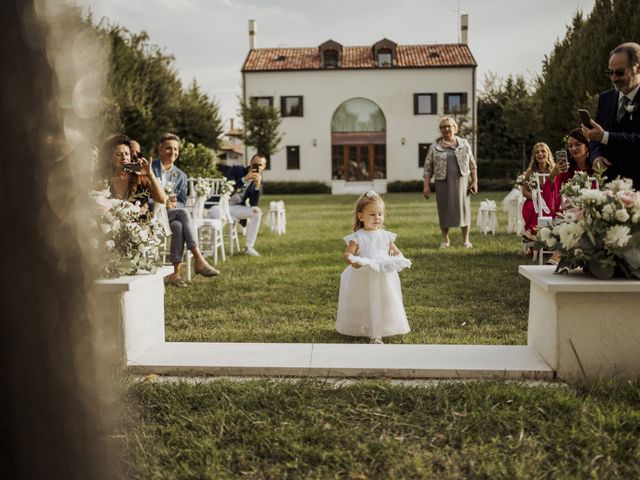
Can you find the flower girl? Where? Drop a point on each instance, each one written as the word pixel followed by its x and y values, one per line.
pixel 370 301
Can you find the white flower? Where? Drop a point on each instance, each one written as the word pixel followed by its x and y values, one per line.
pixel 105 227
pixel 569 233
pixel 608 211
pixel 545 233
pixel 592 196
pixel 617 236
pixel 110 244
pixel 622 215
pixel 636 217
pixel 570 216
pixel 551 242
pixel 619 185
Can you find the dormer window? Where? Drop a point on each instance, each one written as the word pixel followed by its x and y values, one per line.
pixel 384 53
pixel 330 59
pixel 385 58
pixel 330 52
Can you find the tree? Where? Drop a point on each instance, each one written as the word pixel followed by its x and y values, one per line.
pixel 199 119
pixel 197 160
pixel 261 127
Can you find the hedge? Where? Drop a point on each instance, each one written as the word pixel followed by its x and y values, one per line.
pixel 284 188
pixel 484 184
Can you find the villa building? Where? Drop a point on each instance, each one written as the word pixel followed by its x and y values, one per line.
pixel 357 117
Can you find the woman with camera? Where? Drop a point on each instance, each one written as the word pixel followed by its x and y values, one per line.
pixel 127 178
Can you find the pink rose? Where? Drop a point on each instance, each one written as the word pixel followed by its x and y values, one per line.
pixel 627 198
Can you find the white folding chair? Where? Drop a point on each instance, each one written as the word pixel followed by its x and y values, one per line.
pixel 544 212
pixel 229 223
pixel 487 217
pixel 209 231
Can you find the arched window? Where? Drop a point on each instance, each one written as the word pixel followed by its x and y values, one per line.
pixel 358 141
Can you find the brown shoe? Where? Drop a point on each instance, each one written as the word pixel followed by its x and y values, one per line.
pixel 178 283
pixel 208 271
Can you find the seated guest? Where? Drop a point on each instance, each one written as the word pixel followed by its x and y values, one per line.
pixel 182 227
pixel 126 179
pixel 248 184
pixel 541 162
pixel 577 156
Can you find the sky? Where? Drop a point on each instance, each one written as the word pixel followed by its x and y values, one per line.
pixel 210 40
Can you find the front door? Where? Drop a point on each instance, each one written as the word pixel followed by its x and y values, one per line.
pixel 359 163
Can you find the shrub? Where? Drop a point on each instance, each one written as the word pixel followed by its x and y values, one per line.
pixel 405 186
pixel 295 187
pixel 484 184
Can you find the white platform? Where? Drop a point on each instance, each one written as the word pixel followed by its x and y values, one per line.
pixel 583 327
pixel 340 360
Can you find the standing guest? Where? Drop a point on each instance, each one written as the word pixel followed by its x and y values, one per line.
pixel 248 184
pixel 541 162
pixel 126 179
pixel 615 133
pixel 182 228
pixel 450 162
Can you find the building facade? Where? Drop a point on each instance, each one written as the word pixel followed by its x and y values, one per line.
pixel 358 117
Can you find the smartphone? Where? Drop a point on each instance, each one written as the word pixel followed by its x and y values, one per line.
pixel 585 118
pixel 561 156
pixel 131 167
pixel 255 169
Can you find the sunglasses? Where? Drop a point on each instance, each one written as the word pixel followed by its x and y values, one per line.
pixel 618 73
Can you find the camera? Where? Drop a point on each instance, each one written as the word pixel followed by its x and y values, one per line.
pixel 131 167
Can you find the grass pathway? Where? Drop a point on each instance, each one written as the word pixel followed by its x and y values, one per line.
pixel 290 293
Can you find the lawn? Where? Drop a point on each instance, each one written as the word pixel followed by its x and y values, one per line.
pixel 290 293
pixel 269 429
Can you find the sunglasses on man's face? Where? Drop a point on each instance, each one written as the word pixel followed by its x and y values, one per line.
pixel 618 73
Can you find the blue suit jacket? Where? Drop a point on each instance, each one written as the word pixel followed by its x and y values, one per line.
pixel 623 147
pixel 177 177
pixel 236 173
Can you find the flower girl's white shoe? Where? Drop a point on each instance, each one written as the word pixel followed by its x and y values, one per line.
pixel 376 340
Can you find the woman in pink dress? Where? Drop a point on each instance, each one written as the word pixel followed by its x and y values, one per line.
pixel 541 162
pixel 578 161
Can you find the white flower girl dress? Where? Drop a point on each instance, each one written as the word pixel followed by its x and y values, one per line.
pixel 370 301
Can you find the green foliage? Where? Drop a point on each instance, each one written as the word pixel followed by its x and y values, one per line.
pixel 319 429
pixel 405 186
pixel 508 119
pixel 485 184
pixel 573 74
pixel 261 124
pixel 297 187
pixel 145 98
pixel 198 160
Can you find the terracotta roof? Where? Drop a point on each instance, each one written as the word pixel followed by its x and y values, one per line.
pixel 236 132
pixel 407 56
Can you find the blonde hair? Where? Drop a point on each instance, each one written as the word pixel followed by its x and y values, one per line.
pixel 533 164
pixel 365 199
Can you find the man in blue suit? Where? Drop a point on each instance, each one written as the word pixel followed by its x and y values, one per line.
pixel 615 133
pixel 248 184
pixel 182 228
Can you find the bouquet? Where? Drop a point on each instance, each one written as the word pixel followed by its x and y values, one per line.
pixel 599 230
pixel 127 235
pixel 228 187
pixel 522 181
pixel 202 187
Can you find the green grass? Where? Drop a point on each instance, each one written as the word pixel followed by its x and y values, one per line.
pixel 290 293
pixel 264 429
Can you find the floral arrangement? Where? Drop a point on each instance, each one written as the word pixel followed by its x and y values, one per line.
pixel 202 187
pixel 170 189
pixel 599 230
pixel 522 181
pixel 127 235
pixel 228 187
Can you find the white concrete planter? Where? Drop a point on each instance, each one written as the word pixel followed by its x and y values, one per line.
pixel 138 303
pixel 584 328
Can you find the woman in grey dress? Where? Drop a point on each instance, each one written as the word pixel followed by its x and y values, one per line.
pixel 451 164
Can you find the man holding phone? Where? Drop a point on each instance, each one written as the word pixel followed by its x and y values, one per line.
pixel 248 184
pixel 615 134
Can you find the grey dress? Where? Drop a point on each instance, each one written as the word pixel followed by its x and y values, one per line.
pixel 452 197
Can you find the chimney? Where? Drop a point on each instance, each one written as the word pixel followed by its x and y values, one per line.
pixel 253 28
pixel 231 124
pixel 464 28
